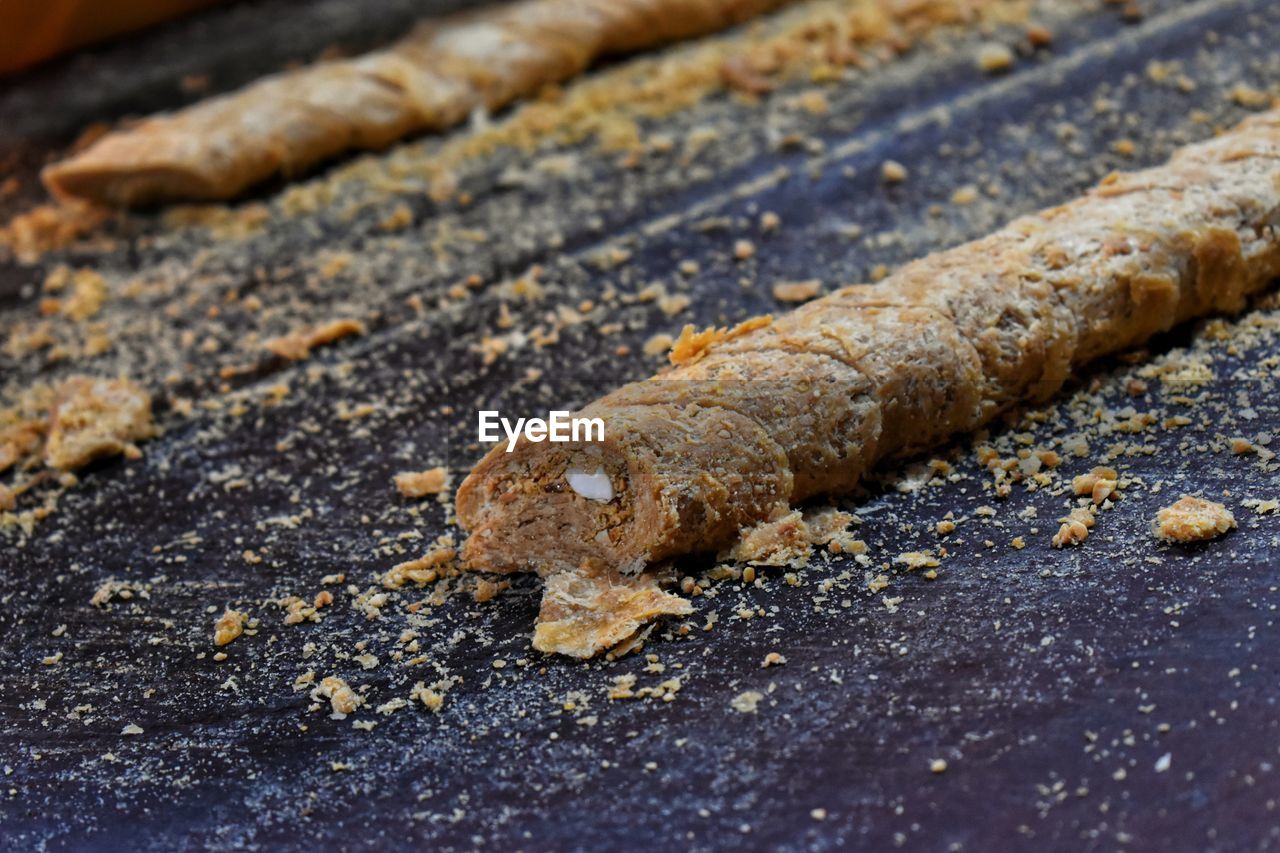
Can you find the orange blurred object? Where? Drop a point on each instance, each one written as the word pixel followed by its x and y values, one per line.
pixel 32 31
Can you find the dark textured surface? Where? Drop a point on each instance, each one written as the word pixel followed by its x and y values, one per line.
pixel 143 73
pixel 1039 675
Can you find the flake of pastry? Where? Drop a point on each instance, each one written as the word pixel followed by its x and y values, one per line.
pixel 1192 519
pixel 588 611
pixel 93 418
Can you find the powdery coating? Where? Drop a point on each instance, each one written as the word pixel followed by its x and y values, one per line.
pixel 808 403
pixel 430 80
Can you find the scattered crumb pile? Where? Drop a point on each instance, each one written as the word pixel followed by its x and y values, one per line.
pixel 436 563
pixel 788 540
pixel 64 428
pixel 821 42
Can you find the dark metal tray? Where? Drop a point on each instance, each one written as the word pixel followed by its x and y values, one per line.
pixel 1052 682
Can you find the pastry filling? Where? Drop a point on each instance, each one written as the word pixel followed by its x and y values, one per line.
pixel 594 486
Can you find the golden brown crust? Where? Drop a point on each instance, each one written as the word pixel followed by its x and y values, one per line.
pixel 430 80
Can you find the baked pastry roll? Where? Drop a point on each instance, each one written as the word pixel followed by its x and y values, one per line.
pixel 756 419
pixel 432 79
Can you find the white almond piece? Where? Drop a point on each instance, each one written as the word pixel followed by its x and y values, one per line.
pixel 593 487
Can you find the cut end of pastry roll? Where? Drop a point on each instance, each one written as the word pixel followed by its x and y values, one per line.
pixel 152 162
pixel 524 514
pixel 139 186
pixel 586 612
pixel 672 488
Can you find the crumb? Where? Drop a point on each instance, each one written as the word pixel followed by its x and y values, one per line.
pixel 398 219
pixel 893 172
pixel 1262 507
pixel 658 344
pixel 692 345
pixel 797 291
pixel 917 560
pixel 674 304
pixel 1039 36
pixel 426 569
pixel 1248 96
pixel 1241 446
pixel 1192 519
pixel 621 688
pixel 746 702
pixel 341 697
pixel 783 541
pixel 1099 484
pixel 296 346
pixel 994 57
pixel 744 250
pixel 814 102
pixel 938 765
pixel 419 484
pixel 773 659
pixel 229 626
pixel 93 418
pixel 432 700
pixel 89 293
pixel 486 590
pixel 1074 529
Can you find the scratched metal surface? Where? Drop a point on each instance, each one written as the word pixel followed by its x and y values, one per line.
pixel 1036 731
